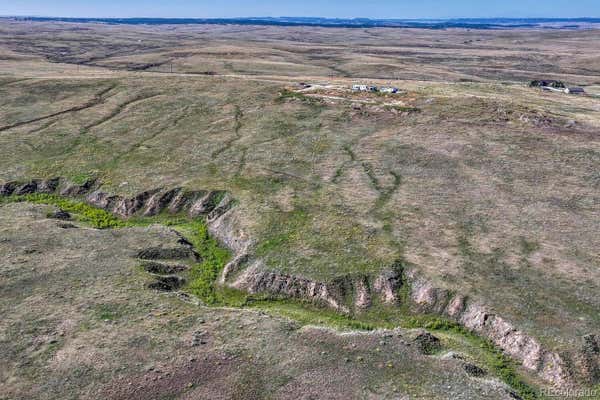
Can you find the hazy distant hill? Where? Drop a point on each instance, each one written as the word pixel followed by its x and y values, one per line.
pixel 477 23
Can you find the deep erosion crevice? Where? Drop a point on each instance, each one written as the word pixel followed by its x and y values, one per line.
pixel 98 98
pixel 399 286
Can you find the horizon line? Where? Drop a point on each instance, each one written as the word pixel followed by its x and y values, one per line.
pixel 313 17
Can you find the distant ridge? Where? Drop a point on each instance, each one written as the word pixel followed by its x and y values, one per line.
pixel 474 23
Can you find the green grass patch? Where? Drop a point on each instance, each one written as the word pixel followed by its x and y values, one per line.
pixel 493 357
pixel 403 108
pixel 528 247
pixel 83 212
pixel 202 276
pixel 108 312
pixel 265 185
pixel 287 94
pixel 81 178
pixel 282 230
pixel 500 365
pixel 308 314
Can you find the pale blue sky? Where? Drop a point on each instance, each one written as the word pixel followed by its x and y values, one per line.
pixel 318 8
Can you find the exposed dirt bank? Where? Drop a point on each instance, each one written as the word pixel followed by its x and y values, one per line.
pixel 346 294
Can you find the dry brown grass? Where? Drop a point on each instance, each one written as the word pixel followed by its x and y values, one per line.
pixel 79 323
pixel 492 189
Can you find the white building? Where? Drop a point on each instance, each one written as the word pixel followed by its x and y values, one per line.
pixel 360 88
pixel 388 90
pixel 574 90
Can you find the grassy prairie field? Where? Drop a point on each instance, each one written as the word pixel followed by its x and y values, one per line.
pixel 486 186
pixel 79 323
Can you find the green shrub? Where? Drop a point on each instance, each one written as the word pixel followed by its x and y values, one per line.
pixel 202 276
pixel 81 178
pixel 287 94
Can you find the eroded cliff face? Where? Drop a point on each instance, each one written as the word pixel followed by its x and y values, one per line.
pixel 256 279
pixel 153 202
pixel 357 293
pixel 479 319
pixel 346 294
